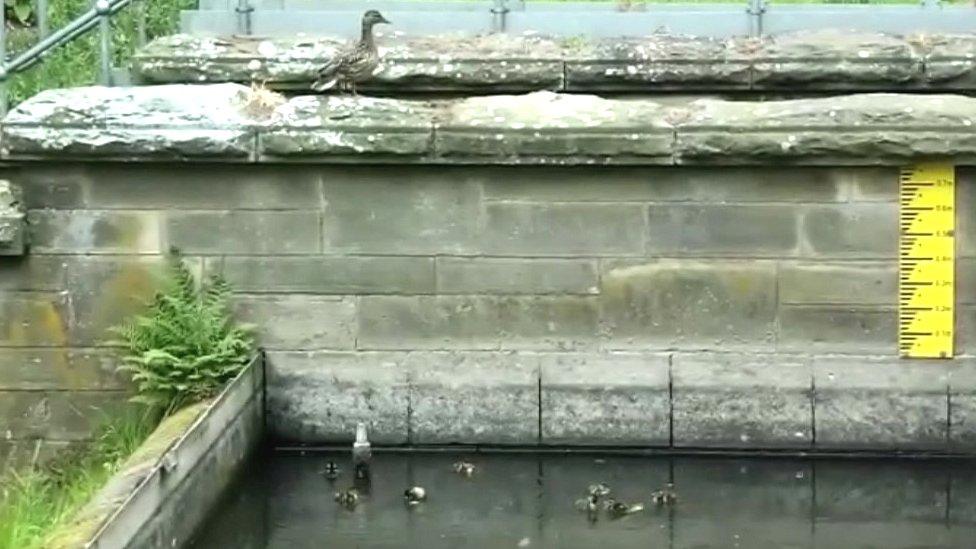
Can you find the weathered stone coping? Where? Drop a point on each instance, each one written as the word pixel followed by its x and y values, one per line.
pixel 828 60
pixel 165 489
pixel 220 122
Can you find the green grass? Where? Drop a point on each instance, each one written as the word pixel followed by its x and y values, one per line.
pixel 34 502
pixel 77 63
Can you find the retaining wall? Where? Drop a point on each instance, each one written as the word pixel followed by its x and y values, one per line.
pixel 555 300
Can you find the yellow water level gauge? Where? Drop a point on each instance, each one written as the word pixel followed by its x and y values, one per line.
pixel 926 261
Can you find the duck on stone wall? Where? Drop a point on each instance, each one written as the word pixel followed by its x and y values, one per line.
pixel 355 63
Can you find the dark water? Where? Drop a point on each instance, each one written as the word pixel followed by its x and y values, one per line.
pixel 527 500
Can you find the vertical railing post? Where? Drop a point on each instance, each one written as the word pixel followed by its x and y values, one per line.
pixel 755 10
pixel 40 12
pixel 141 22
pixel 244 10
pixel 103 9
pixel 499 11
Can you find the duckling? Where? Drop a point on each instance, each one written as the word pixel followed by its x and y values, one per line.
pixel 331 470
pixel 415 495
pixel 667 496
pixel 589 504
pixel 348 497
pixel 617 509
pixel 599 490
pixel 354 63
pixel 464 468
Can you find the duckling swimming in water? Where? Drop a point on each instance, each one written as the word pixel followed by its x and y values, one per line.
pixel 348 497
pixel 331 470
pixel 599 490
pixel 464 468
pixel 667 496
pixel 415 495
pixel 617 509
pixel 589 504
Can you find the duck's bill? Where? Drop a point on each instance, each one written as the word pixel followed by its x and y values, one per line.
pixel 385 20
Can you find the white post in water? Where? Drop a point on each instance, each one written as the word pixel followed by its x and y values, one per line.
pixel 361 453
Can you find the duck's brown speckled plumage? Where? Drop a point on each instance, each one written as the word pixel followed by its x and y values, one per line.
pixel 355 63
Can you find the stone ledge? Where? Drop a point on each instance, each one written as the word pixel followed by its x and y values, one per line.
pixel 13 228
pixel 219 122
pixel 809 61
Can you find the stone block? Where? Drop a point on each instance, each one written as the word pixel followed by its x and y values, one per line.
pixel 474 398
pixel 962 404
pixel 62 415
pixel 377 212
pixel 847 283
pixel 875 184
pixel 544 127
pixel 477 322
pixel 776 503
pixel 228 187
pixel 457 275
pixel 124 123
pixel 319 397
pixel 613 399
pixel 327 274
pixel 880 403
pixel 56 184
pixel 741 401
pixel 95 232
pixel 965 219
pixel 853 230
pixel 669 304
pixel 59 369
pixel 563 229
pixel 665 184
pixel 106 290
pixel 34 273
pixel 966 280
pixel 29 319
pixel 300 322
pixel 13 239
pixel 836 329
pixel 882 491
pixel 737 230
pixel 243 232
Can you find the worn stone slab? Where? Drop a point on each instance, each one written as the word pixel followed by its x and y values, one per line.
pixel 867 129
pixel 659 62
pixel 59 369
pixel 34 319
pixel 688 304
pixel 544 127
pixel 13 231
pixel 754 230
pixel 847 283
pixel 881 403
pixel 324 126
pixel 741 401
pixel 96 231
pixel 612 399
pixel 473 398
pixel 950 60
pixel 837 329
pixel 34 273
pixel 835 59
pixel 155 122
pixel 457 275
pixel 962 405
pixel 319 397
pixel 855 231
pixel 299 322
pixel 327 274
pixel 238 232
pixel 56 415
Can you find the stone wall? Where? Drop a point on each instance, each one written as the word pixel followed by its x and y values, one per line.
pixel 693 306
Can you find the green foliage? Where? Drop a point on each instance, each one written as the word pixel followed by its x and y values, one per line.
pixel 186 347
pixel 34 502
pixel 22 10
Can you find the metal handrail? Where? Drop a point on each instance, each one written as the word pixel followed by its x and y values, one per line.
pixel 99 15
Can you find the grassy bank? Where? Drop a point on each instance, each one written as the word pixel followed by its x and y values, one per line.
pixel 33 503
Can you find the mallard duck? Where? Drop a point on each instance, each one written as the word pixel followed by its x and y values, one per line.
pixel 599 490
pixel 331 470
pixel 667 496
pixel 465 468
pixel 355 63
pixel 617 509
pixel 414 495
pixel 348 497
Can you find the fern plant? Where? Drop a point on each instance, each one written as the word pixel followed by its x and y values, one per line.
pixel 186 346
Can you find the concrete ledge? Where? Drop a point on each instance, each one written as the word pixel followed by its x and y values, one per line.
pixel 220 122
pixel 13 225
pixel 703 400
pixel 818 61
pixel 166 488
